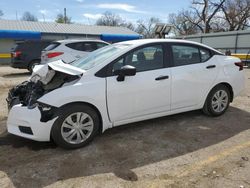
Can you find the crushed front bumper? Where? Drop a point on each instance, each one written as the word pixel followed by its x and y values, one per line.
pixel 26 123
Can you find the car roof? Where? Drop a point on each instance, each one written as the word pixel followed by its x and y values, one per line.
pixel 80 40
pixel 139 42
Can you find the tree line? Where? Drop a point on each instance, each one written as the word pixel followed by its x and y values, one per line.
pixel 203 16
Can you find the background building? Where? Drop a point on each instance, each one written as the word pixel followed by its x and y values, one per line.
pixel 235 41
pixel 12 31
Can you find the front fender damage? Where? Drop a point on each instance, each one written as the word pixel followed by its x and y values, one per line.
pixel 45 79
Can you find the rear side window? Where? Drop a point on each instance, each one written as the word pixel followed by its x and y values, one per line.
pixel 75 46
pixel 89 46
pixel 185 55
pixel 16 47
pixel 52 46
pixel 83 46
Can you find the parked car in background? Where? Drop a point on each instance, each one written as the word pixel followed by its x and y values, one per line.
pixel 119 84
pixel 27 54
pixel 71 49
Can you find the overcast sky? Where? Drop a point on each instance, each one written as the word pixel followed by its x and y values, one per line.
pixel 87 11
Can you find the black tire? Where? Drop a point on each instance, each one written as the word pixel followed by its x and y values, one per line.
pixel 32 64
pixel 65 112
pixel 208 109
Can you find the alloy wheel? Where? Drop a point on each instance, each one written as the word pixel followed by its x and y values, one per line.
pixel 220 101
pixel 77 127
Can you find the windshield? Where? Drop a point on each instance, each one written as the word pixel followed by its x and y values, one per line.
pixel 98 56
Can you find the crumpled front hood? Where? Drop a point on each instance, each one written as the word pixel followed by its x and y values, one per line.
pixel 46 72
pixel 45 78
pixel 65 68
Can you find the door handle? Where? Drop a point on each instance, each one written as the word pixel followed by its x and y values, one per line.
pixel 211 66
pixel 161 78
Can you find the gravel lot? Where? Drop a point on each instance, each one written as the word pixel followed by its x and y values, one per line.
pixel 184 150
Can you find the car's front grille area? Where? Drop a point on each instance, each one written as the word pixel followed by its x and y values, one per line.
pixel 26 130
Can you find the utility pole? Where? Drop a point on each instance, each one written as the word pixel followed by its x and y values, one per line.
pixel 16 15
pixel 65 15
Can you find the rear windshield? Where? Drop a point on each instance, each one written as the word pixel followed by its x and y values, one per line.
pixel 52 46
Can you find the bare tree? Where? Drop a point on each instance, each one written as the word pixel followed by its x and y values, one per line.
pixel 146 27
pixel 111 19
pixel 184 22
pixel 206 10
pixel 60 19
pixel 27 16
pixel 237 14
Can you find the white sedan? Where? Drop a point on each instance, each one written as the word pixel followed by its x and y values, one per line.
pixel 119 84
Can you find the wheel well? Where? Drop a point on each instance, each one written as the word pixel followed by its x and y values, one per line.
pixel 229 88
pixel 91 106
pixel 34 60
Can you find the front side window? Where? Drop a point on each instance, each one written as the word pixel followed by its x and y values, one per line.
pixel 144 59
pixel 205 54
pixel 185 55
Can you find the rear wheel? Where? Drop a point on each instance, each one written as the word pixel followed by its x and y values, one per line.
pixel 217 101
pixel 33 64
pixel 76 126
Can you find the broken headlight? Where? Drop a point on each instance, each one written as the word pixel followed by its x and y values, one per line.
pixel 48 112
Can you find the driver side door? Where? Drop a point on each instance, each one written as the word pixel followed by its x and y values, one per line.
pixel 141 95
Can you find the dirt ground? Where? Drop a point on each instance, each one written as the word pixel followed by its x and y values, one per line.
pixel 184 150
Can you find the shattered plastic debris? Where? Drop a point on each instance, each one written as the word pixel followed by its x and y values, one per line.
pixel 42 73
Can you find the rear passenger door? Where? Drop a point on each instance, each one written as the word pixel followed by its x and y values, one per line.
pixel 193 72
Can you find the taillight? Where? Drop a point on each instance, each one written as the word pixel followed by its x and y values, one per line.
pixel 16 54
pixel 54 54
pixel 240 65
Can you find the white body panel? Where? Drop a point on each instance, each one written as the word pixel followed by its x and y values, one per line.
pixel 22 116
pixel 194 81
pixel 138 97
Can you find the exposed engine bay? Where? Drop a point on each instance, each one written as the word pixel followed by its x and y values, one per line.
pixel 44 79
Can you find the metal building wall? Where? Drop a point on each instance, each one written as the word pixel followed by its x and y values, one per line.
pixel 235 41
pixel 5 47
pixel 53 36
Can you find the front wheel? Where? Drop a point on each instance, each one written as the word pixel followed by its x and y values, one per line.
pixel 217 101
pixel 76 126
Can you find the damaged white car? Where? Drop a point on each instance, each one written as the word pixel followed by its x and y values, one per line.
pixel 119 84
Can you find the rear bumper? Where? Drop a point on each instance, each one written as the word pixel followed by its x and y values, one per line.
pixel 18 64
pixel 238 84
pixel 21 118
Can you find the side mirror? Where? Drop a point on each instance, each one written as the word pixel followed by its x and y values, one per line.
pixel 126 70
